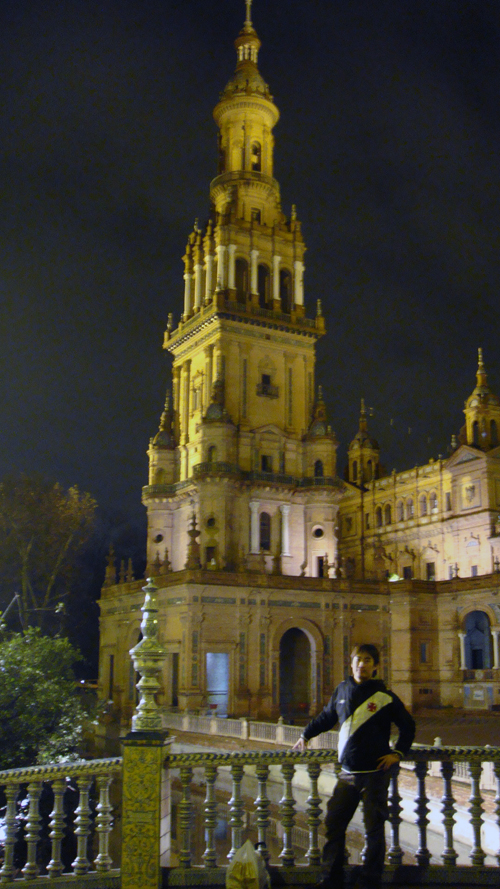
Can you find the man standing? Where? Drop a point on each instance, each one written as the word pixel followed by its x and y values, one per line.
pixel 365 710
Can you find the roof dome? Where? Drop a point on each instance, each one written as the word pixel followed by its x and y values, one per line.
pixel 164 439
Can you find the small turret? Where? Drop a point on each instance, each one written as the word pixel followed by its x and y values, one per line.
pixel 363 453
pixel 482 413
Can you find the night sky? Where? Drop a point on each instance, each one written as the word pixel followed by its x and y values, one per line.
pixel 388 144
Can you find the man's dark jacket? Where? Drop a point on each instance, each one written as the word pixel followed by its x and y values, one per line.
pixel 365 712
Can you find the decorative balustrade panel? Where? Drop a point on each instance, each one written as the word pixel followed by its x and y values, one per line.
pixel 64 814
pixel 263 789
pixel 58 821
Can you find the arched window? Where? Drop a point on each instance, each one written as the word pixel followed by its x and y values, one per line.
pixel 493 434
pixel 318 469
pixel 378 517
pixel 369 471
pixel 477 641
pixel 286 291
pixel 433 502
pixel 475 433
pixel 409 508
pixel 400 513
pixel 211 454
pixel 423 505
pixel 160 476
pixel 388 515
pixel 354 470
pixel 265 531
pixel 263 280
pixel 241 279
pixel 256 157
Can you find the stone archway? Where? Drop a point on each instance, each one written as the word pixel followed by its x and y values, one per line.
pixel 295 674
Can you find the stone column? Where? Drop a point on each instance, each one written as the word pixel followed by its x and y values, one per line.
pixel 299 283
pixel 198 275
pixel 276 278
pixel 186 383
pixel 188 280
pixel 254 527
pixel 209 351
pixel 209 274
pixel 285 529
pixel 254 277
pixel 231 267
pixel 494 639
pixel 461 636
pixel 221 266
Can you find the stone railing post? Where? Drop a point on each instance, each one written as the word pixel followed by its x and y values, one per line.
pixel 146 787
pixel 280 731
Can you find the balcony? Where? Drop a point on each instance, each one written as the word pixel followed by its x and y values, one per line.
pixel 267 390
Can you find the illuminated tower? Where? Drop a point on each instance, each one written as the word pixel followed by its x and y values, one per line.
pixel 482 413
pixel 240 451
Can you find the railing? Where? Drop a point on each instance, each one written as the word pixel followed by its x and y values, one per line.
pixel 27 792
pixel 461 830
pixel 272 796
pixel 272 733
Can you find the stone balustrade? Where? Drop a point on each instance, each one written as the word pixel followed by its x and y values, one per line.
pixel 29 793
pixel 444 822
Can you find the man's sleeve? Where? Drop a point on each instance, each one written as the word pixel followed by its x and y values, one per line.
pixel 324 721
pixel 406 726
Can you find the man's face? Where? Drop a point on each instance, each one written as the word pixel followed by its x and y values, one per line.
pixel 363 667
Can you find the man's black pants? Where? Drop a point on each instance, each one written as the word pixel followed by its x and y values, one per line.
pixel 371 788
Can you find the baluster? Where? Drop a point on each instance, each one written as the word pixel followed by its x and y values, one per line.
pixel 56 824
pixel 314 813
pixel 287 811
pixel 186 774
pixel 8 870
pixel 262 804
pixel 104 823
pixel 32 836
pixel 422 854
pixel 477 855
pixel 395 853
pixel 449 855
pixel 236 808
pixel 209 856
pixel 496 769
pixel 83 822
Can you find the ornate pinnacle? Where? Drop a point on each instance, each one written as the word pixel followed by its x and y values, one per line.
pixel 248 20
pixel 148 657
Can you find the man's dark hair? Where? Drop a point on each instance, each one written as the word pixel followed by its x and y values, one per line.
pixel 366 648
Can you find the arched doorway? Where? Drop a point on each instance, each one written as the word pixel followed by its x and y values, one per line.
pixel 295 674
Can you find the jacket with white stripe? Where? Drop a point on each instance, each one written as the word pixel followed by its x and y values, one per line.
pixel 365 712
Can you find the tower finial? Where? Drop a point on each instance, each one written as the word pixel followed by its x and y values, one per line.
pixel 481 370
pixel 363 426
pixel 248 20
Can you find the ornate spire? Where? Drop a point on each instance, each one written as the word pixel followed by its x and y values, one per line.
pixel 164 437
pixel 248 20
pixel 363 423
pixel 481 377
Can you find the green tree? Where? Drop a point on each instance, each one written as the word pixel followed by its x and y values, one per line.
pixel 43 529
pixel 41 715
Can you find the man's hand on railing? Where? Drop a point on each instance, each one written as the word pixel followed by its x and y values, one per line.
pixel 300 745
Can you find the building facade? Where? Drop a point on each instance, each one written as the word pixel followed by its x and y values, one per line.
pixel 269 566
